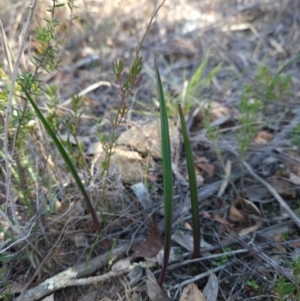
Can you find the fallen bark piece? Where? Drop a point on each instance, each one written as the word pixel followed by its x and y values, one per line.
pixel 63 279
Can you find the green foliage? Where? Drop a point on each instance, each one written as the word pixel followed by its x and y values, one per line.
pixel 71 122
pixel 126 83
pixel 199 81
pixel 49 41
pixel 6 293
pixel 192 184
pixel 253 284
pixel 22 121
pixel 249 109
pixel 286 289
pixel 223 260
pixel 277 88
pixel 296 136
pixel 64 155
pixel 265 90
pixel 211 132
pixel 167 174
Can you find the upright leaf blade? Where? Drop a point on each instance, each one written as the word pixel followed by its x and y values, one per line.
pixel 167 174
pixel 192 183
pixel 66 158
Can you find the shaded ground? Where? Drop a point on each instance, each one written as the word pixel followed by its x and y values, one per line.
pixel 253 48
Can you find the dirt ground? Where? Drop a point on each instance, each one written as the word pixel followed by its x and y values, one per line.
pixel 249 212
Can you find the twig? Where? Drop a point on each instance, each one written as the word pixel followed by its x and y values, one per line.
pixel 85 91
pixel 280 200
pixel 206 274
pixel 210 257
pixel 95 279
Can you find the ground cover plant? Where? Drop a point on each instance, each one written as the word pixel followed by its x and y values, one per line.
pixel 92 181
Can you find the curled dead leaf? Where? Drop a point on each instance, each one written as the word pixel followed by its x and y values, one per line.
pixel 241 212
pixel 235 214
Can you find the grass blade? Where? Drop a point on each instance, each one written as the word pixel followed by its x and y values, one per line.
pixel 192 183
pixel 195 81
pixel 167 174
pixel 66 158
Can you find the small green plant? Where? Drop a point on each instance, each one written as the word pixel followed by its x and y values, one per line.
pixel 198 82
pixel 296 274
pixel 223 259
pixel 125 83
pixel 168 178
pixel 296 137
pixel 249 109
pixel 25 84
pixel 5 293
pixel 23 174
pixel 253 284
pixel 71 122
pixel 286 289
pixel 268 88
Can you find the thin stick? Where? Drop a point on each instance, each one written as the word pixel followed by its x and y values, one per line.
pixel 280 200
pixel 206 274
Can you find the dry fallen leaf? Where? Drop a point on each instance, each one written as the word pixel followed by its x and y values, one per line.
pixel 186 240
pixel 240 212
pixel 283 186
pixel 211 289
pixel 263 137
pixel 202 164
pixel 191 293
pixel 221 220
pixel 154 291
pixel 294 178
pixel 187 226
pixel 151 245
pixel 235 214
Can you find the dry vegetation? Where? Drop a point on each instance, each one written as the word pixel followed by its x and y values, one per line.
pixel 243 117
